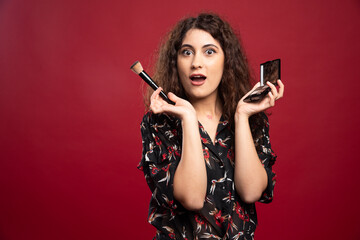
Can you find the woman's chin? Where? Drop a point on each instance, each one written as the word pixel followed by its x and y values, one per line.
pixel 199 95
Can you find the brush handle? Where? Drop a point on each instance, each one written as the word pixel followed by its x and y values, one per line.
pixel 154 86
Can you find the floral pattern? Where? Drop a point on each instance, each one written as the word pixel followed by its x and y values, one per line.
pixel 224 215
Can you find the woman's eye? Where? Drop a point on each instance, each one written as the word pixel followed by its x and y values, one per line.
pixel 210 51
pixel 186 52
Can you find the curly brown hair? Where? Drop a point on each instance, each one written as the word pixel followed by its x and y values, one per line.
pixel 236 78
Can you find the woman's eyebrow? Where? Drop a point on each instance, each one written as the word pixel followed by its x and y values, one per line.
pixel 186 45
pixel 205 46
pixel 210 45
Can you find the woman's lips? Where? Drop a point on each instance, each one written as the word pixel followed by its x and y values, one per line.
pixel 197 79
pixel 198 82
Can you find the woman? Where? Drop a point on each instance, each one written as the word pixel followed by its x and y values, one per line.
pixel 207 159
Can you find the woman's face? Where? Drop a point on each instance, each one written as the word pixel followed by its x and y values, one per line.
pixel 200 64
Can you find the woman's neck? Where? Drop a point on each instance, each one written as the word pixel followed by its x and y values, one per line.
pixel 209 108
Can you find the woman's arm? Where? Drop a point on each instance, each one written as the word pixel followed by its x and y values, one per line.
pixel 190 180
pixel 250 175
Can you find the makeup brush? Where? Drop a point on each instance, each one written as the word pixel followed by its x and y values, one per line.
pixel 138 69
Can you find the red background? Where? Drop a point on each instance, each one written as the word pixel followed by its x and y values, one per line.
pixel 70 112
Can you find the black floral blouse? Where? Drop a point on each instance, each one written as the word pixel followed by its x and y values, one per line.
pixel 224 215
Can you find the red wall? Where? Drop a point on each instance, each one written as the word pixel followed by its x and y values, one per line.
pixel 70 112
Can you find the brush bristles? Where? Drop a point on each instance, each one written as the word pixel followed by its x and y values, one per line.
pixel 136 67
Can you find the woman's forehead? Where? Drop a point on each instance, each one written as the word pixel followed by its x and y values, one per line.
pixel 198 37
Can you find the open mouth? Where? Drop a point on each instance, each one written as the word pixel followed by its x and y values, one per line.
pixel 197 79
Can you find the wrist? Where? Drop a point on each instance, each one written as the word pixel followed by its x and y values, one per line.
pixel 241 117
pixel 189 119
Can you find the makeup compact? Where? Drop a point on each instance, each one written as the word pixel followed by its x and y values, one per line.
pixel 269 71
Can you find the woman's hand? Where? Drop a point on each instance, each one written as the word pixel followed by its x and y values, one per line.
pixel 247 109
pixel 182 108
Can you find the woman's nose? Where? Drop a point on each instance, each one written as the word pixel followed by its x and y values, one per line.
pixel 197 62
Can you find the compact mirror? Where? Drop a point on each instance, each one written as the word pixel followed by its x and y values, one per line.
pixel 269 71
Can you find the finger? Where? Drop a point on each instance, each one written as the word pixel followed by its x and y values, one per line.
pixel 154 106
pixel 178 100
pixel 248 93
pixel 155 94
pixel 173 97
pixel 158 97
pixel 273 89
pixel 255 86
pixel 271 100
pixel 281 88
pixel 157 106
pixel 172 109
pixel 169 109
pixel 156 101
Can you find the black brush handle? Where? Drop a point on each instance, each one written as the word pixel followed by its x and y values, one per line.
pixel 154 86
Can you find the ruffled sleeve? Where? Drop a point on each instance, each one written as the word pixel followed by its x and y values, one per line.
pixel 267 158
pixel 160 157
